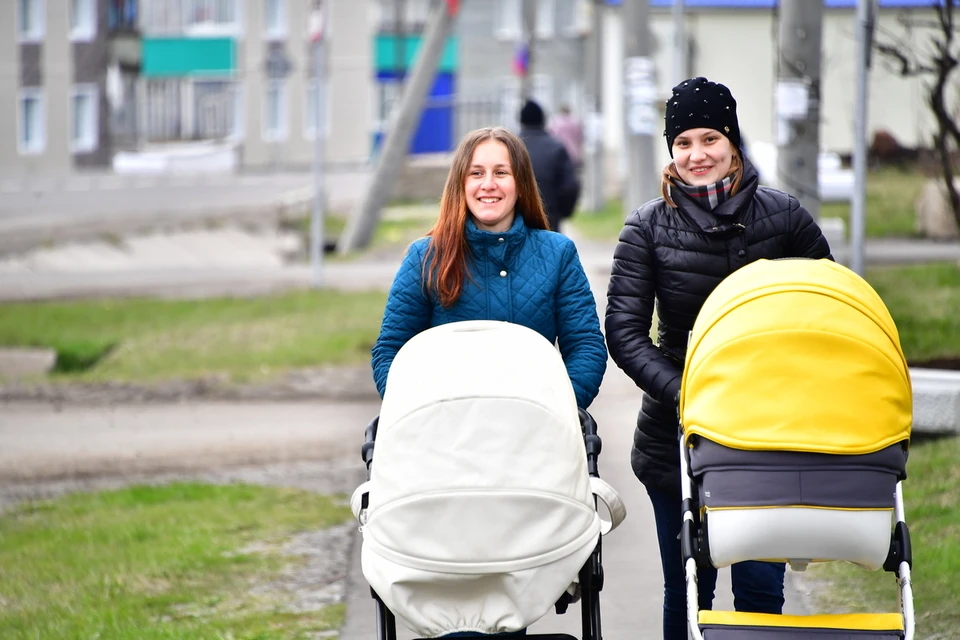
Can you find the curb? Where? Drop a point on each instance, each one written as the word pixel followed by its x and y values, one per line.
pixel 330 383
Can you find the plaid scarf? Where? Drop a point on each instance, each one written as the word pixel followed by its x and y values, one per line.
pixel 709 196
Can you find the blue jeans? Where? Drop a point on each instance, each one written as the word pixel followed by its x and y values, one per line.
pixel 757 586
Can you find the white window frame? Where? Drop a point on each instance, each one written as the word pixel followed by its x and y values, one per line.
pixel 90 141
pixel 218 25
pixel 83 27
pixel 508 19
pixel 546 19
pixel 282 131
pixel 581 24
pixel 278 31
pixel 310 88
pixel 40 143
pixel 38 21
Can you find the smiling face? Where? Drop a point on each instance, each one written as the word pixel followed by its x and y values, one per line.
pixel 490 187
pixel 702 156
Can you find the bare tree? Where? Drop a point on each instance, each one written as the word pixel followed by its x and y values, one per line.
pixel 936 58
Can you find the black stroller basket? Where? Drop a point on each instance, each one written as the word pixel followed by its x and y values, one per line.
pixel 591 575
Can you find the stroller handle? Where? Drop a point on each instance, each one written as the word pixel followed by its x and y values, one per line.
pixel 591 440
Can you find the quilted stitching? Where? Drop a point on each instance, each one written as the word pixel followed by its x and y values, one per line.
pixel 525 276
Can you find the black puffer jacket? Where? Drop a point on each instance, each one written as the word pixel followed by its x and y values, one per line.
pixel 678 256
pixel 554 172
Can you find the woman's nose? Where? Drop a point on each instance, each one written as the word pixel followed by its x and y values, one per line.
pixel 696 152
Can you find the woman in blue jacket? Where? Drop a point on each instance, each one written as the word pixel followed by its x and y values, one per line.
pixel 490 256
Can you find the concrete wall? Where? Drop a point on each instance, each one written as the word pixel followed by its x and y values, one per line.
pixel 349 89
pixel 486 63
pixel 9 84
pixel 738 48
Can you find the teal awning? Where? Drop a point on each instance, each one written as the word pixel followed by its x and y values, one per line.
pixel 176 57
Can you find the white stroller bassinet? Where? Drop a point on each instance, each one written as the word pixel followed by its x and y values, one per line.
pixel 480 511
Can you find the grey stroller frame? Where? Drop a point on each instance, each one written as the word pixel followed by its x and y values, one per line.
pixel 695 545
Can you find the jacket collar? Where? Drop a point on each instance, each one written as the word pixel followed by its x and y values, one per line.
pixel 502 246
pixel 726 217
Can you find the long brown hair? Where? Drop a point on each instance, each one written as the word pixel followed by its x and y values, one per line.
pixel 670 173
pixel 445 263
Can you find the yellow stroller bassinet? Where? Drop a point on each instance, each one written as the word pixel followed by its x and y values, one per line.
pixel 796 408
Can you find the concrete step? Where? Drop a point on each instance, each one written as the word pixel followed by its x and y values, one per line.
pixel 936 401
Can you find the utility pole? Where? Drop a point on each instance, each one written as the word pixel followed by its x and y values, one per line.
pixel 642 121
pixel 866 16
pixel 593 125
pixel 403 125
pixel 679 43
pixel 528 34
pixel 798 101
pixel 318 19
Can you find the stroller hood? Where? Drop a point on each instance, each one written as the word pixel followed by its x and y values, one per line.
pixel 798 355
pixel 481 510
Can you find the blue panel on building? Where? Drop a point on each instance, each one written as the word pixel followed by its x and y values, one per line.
pixel 435 131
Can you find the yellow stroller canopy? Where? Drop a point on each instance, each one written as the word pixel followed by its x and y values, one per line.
pixel 796 355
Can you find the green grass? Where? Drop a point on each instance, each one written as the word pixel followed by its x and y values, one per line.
pixel 236 339
pixel 933 515
pixel 891 195
pixel 169 562
pixel 924 301
pixel 890 207
pixel 600 225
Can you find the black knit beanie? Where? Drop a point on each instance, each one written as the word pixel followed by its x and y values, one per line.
pixel 697 103
pixel 532 115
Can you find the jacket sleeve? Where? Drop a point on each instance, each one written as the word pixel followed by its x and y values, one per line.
pixel 808 238
pixel 407 313
pixel 630 303
pixel 578 329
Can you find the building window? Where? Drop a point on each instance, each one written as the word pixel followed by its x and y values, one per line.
pixel 508 19
pixel 275 111
pixel 275 19
pixel 211 16
pixel 83 19
pixel 84 118
pixel 546 17
pixel 32 118
pixel 30 20
pixel 573 18
pixel 122 14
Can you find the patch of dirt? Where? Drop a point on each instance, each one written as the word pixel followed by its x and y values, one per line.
pixel 952 364
pixel 340 383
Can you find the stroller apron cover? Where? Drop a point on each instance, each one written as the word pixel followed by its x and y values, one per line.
pixel 481 509
pixel 796 407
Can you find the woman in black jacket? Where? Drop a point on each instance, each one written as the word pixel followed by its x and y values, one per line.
pixel 713 219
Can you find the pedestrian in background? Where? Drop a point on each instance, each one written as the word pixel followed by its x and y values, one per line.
pixel 566 128
pixel 490 256
pixel 552 166
pixel 712 219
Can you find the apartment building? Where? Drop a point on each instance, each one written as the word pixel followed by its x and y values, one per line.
pixel 67 75
pixel 91 79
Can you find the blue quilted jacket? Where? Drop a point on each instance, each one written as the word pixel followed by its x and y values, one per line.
pixel 525 276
